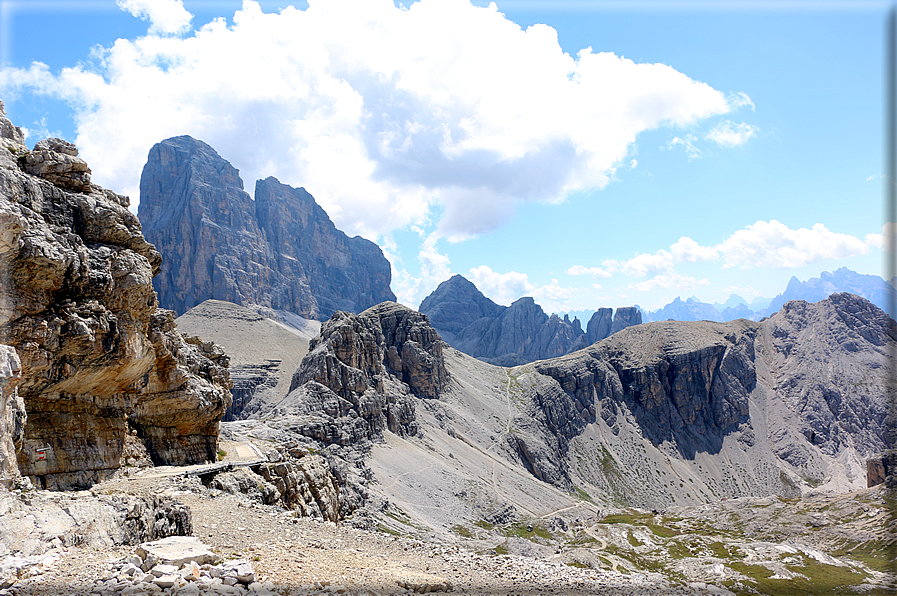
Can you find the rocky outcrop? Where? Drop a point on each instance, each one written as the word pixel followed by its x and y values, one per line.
pixel 38 521
pixel 360 375
pixel 101 365
pixel 515 334
pixel 882 469
pixel 797 391
pixel 12 416
pixel 279 252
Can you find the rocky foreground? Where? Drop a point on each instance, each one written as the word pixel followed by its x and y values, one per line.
pixel 824 544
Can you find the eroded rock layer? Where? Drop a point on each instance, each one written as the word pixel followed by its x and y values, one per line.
pixel 279 251
pixel 361 374
pixel 104 371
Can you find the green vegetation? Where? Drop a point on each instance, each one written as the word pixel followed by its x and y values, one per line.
pixel 462 531
pixel 385 530
pixel 521 531
pixel 815 579
pixel 875 555
pixel 221 454
pixel 483 524
pixel 578 565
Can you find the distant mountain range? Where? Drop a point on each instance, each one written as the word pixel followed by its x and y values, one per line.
pixel 516 334
pixel 871 287
pixel 523 332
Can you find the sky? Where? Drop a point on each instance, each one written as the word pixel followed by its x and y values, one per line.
pixel 586 153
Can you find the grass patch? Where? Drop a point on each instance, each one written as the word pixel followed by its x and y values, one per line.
pixel 522 531
pixel 632 539
pixel 221 454
pixel 385 530
pixel 583 495
pixel 501 549
pixel 820 580
pixel 874 555
pixel 482 523
pixel 578 565
pixel 462 531
pixel 719 550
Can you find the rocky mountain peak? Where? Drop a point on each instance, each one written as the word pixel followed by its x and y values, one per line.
pixel 279 251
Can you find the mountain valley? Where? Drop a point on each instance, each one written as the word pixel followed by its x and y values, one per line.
pixel 303 425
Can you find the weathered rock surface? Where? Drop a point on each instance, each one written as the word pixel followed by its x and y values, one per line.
pixel 280 251
pixel 515 334
pixel 264 353
pixel 790 397
pixel 882 469
pixel 12 416
pixel 36 522
pixel 101 364
pixel 362 372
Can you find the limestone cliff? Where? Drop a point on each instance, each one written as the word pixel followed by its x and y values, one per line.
pixel 362 372
pixel 280 251
pixel 12 416
pixel 105 375
pixel 515 334
pixel 799 399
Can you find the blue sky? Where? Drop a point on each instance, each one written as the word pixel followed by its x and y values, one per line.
pixel 696 149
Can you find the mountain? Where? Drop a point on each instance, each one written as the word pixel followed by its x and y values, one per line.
pixel 658 414
pixel 515 334
pixel 104 376
pixel 279 251
pixel 871 287
pixel 689 310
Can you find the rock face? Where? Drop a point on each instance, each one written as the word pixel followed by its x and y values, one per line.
pixel 516 334
pixel 787 396
pixel 279 252
pixel 263 353
pixel 361 373
pixel 103 369
pixel 12 416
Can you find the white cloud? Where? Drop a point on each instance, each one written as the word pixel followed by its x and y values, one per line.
pixel 686 249
pixel 382 113
pixel 739 100
pixel 729 134
pixel 632 164
pixel 166 16
pixel 593 271
pixel 672 280
pixel 552 297
pixel 434 269
pixel 773 244
pixel 885 240
pixel 643 265
pixel 502 288
pixel 688 144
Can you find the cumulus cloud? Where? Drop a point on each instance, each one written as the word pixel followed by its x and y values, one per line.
pixel 773 244
pixel 384 114
pixel 885 240
pixel 686 249
pixel 643 265
pixel 410 290
pixel 502 288
pixel 729 134
pixel 593 271
pixel 166 17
